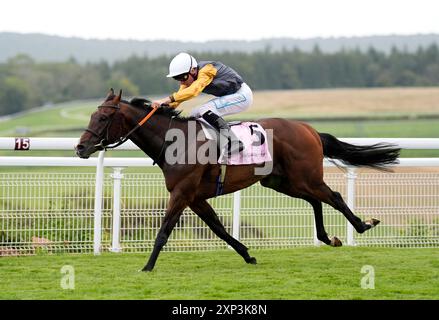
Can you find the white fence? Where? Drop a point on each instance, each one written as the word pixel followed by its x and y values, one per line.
pixel 117 211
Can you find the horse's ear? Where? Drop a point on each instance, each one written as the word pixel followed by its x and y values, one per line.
pixel 118 98
pixel 110 94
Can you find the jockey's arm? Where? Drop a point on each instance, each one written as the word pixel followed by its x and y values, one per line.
pixel 176 104
pixel 168 100
pixel 205 77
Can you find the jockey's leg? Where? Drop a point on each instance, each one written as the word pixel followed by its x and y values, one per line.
pixel 234 145
pixel 215 109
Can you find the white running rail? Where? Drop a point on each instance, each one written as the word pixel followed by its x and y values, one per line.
pixel 406 201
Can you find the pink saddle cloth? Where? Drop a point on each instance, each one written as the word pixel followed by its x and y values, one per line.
pixel 255 141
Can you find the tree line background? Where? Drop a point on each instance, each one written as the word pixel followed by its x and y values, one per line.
pixel 25 84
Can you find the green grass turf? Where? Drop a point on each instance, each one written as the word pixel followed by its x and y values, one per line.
pixel 43 122
pixel 297 273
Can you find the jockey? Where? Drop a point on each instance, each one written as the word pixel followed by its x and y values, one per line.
pixel 233 95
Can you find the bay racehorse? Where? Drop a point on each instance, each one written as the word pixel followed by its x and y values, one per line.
pixel 297 169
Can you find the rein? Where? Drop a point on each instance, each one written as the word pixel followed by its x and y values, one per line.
pixel 164 144
pixel 123 139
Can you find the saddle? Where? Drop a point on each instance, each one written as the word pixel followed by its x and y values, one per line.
pixel 252 135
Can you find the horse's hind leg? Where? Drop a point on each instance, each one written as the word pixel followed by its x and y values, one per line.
pixel 208 215
pixel 283 186
pixel 334 199
pixel 320 228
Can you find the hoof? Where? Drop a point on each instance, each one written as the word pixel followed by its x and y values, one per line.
pixel 372 222
pixel 252 260
pixel 145 269
pixel 336 242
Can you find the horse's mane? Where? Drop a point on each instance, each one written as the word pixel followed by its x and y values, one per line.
pixel 145 104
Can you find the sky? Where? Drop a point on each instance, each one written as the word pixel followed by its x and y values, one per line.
pixel 198 20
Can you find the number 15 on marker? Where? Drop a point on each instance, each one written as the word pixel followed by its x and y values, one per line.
pixel 22 143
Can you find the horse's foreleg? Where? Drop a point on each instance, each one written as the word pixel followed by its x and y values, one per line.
pixel 208 215
pixel 173 213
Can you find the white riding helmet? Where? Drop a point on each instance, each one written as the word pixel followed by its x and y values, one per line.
pixel 182 63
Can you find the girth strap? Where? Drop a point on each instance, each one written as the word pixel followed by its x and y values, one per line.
pixel 220 180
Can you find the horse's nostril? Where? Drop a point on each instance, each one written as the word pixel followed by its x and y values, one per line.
pixel 79 147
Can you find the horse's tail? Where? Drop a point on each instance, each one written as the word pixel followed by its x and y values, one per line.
pixel 374 156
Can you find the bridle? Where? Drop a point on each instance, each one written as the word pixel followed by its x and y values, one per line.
pixel 101 145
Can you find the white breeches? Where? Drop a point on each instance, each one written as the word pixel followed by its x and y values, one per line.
pixel 230 104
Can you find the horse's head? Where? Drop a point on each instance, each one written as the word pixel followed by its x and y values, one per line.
pixel 105 127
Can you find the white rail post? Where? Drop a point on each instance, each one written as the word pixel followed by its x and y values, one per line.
pixel 117 182
pixel 236 214
pixel 98 203
pixel 351 176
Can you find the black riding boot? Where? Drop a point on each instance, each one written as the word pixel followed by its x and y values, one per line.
pixel 234 145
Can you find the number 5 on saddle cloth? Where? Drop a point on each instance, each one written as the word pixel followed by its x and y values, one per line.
pixel 256 150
